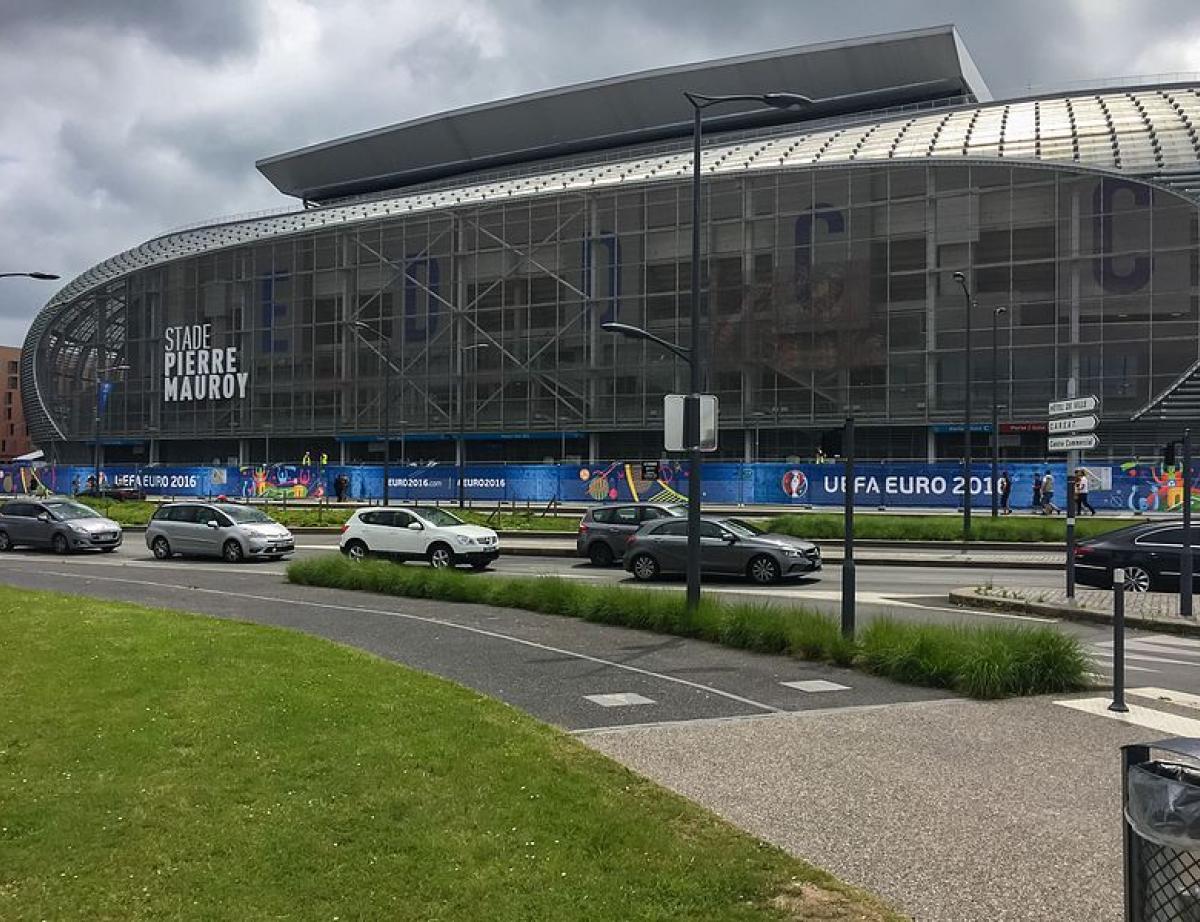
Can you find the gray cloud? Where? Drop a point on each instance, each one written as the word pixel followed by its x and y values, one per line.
pixel 128 117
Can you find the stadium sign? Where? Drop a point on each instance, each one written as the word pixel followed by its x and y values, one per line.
pixel 193 369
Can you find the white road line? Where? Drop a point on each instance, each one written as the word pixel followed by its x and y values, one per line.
pixel 1181 646
pixel 816 685
pixel 619 699
pixel 1128 668
pixel 1142 658
pixel 495 635
pixel 1142 717
pixel 1183 699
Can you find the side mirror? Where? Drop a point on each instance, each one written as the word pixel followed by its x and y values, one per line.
pixel 43 517
pixel 212 523
pixel 415 526
pixel 729 538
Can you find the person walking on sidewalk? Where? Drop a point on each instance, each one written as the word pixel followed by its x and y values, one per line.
pixel 1004 487
pixel 1037 492
pixel 1081 492
pixel 1048 495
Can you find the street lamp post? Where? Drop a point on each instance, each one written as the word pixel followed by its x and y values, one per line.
pixel 462 413
pixel 962 281
pixel 996 312
pixel 700 102
pixel 358 326
pixel 100 382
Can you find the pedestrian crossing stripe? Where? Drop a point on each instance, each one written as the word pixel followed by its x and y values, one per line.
pixel 1161 721
pixel 1183 699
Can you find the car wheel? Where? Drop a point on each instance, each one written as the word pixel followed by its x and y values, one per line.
pixel 1138 579
pixel 763 570
pixel 232 551
pixel 645 567
pixel 160 548
pixel 355 550
pixel 441 557
pixel 60 543
pixel 600 554
pixel 5 542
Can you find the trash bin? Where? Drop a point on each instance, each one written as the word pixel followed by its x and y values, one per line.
pixel 1161 797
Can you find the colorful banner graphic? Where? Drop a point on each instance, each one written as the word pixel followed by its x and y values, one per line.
pixel 1135 486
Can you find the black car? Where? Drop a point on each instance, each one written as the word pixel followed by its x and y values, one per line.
pixel 1149 554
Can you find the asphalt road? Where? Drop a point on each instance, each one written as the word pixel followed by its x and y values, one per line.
pixel 908 593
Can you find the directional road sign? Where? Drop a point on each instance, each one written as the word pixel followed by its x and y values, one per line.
pixel 1073 424
pixel 1072 442
pixel 1089 404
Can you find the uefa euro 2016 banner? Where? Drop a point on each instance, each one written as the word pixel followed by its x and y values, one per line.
pixel 1130 487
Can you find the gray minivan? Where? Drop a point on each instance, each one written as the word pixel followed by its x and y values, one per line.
pixel 226 530
pixel 58 523
pixel 603 529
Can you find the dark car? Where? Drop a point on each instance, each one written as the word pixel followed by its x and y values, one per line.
pixel 728 547
pixel 56 523
pixel 1149 553
pixel 603 530
pixel 116 494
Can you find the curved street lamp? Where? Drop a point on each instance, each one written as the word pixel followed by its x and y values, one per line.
pixel 40 276
pixel 968 305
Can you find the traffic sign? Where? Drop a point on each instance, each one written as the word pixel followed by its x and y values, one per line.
pixel 1089 404
pixel 1073 424
pixel 649 470
pixel 1072 443
pixel 673 411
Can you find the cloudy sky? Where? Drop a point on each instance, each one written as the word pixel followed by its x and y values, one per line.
pixel 124 118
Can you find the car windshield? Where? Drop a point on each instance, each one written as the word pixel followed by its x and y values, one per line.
pixel 245 515
pixel 67 512
pixel 439 517
pixel 741 529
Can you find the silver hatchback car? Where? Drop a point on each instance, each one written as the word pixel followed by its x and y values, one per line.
pixel 224 530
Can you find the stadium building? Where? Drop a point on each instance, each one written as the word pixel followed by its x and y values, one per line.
pixel 443 281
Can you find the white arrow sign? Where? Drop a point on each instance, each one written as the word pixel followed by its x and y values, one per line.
pixel 1072 443
pixel 1088 404
pixel 1073 424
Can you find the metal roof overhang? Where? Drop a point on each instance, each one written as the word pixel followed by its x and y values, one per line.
pixel 869 73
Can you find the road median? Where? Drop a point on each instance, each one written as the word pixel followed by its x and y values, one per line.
pixel 1154 611
pixel 982 662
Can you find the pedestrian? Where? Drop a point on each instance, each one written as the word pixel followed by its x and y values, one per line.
pixel 1037 492
pixel 75 485
pixel 340 482
pixel 1081 491
pixel 1048 494
pixel 820 455
pixel 1005 489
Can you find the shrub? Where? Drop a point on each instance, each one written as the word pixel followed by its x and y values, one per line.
pixel 983 662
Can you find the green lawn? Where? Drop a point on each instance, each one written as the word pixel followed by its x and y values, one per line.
pixel 158 765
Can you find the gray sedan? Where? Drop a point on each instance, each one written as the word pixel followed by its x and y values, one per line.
pixel 56 523
pixel 728 547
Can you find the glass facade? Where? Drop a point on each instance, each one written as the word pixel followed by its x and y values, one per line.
pixel 827 290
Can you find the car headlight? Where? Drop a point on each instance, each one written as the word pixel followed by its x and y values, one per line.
pixel 79 530
pixel 464 539
pixel 792 552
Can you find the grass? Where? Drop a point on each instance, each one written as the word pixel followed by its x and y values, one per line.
pixel 158 765
pixel 991 662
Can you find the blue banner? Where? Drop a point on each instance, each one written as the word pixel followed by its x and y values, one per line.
pixel 1129 487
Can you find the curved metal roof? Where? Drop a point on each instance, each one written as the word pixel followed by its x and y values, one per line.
pixel 844 76
pixel 1146 133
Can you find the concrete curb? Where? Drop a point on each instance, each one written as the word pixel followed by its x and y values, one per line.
pixel 968 598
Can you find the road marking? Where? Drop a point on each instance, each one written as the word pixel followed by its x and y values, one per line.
pixel 619 699
pixel 1138 715
pixel 483 632
pixel 816 685
pixel 1183 699
pixel 1128 668
pixel 1141 657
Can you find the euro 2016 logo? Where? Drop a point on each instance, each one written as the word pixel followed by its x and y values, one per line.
pixel 795 484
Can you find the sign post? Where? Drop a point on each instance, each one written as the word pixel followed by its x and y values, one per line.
pixel 1071 427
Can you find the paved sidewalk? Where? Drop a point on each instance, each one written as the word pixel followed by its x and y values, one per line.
pixel 1157 611
pixel 952 811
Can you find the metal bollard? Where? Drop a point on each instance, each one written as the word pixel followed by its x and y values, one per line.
pixel 1118 703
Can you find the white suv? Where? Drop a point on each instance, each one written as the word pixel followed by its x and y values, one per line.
pixel 418 533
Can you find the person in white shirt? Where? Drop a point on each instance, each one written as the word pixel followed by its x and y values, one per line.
pixel 1048 507
pixel 1081 491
